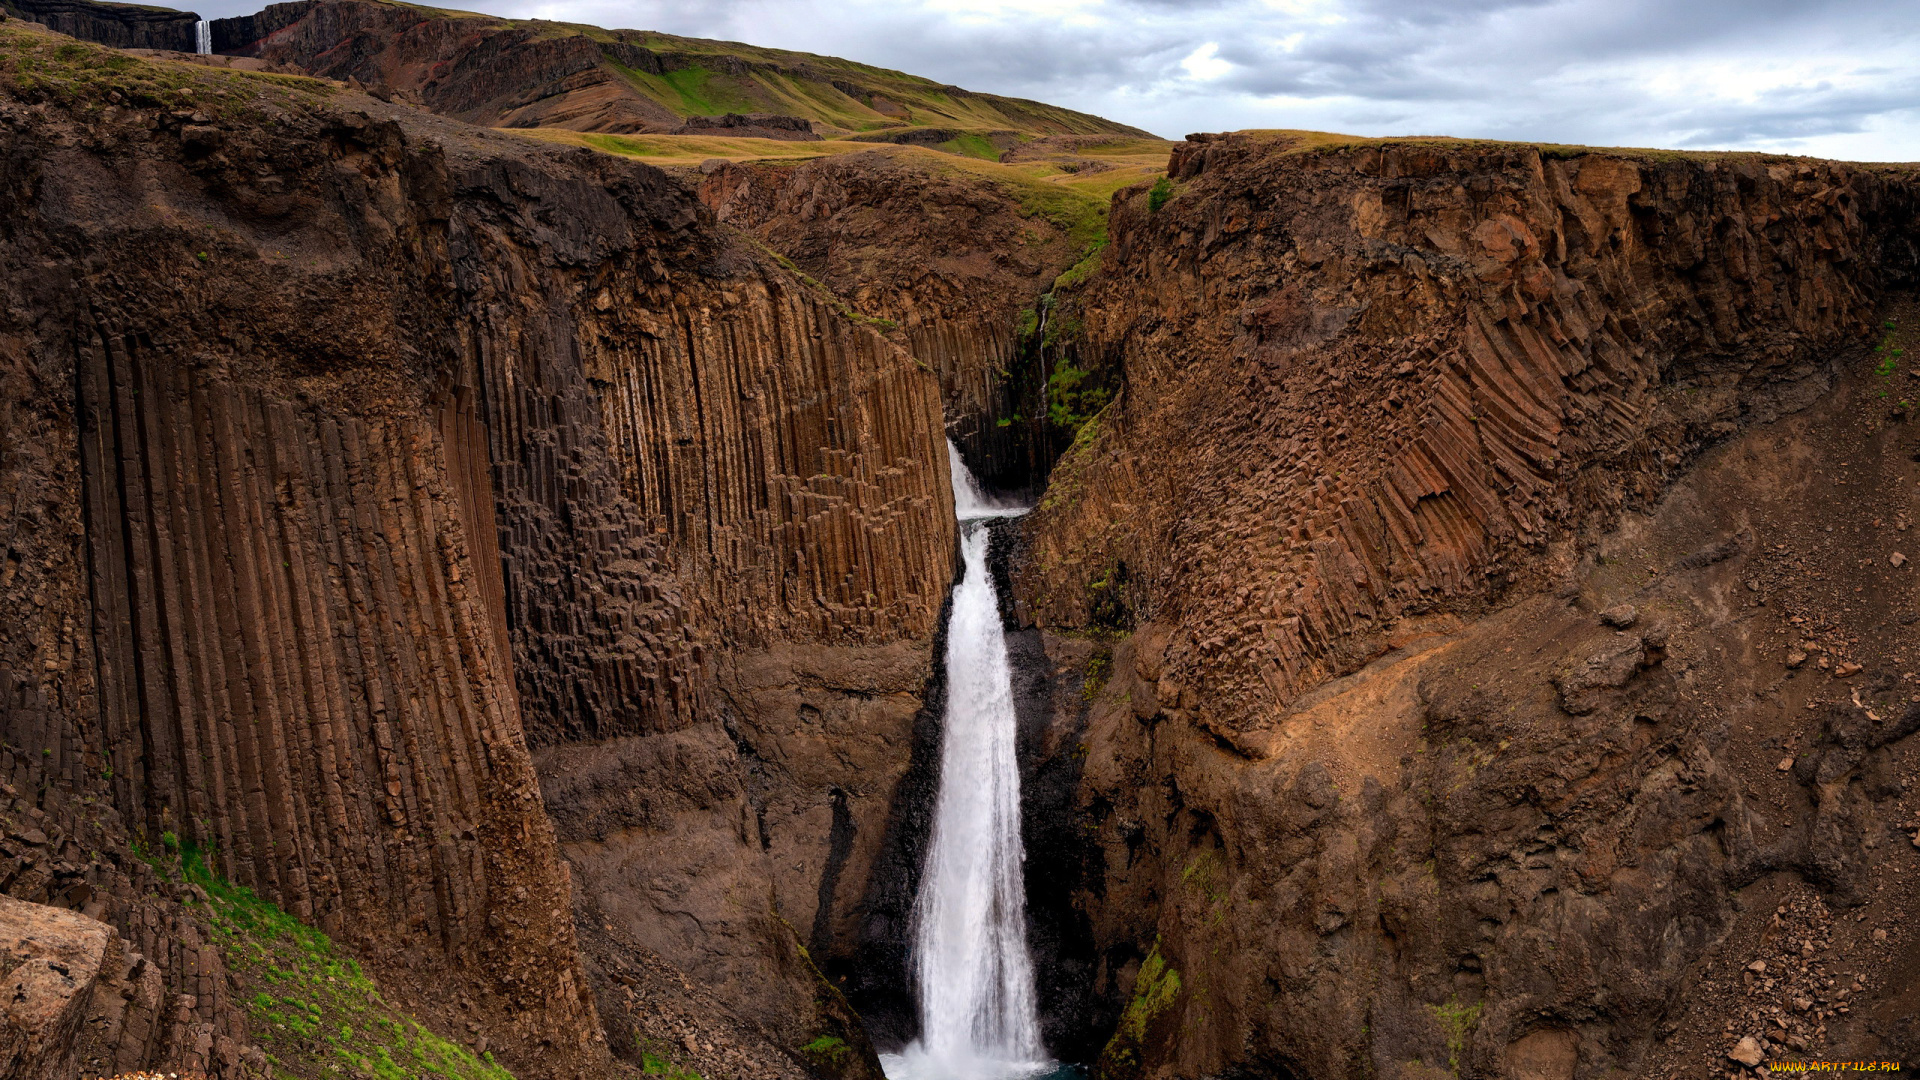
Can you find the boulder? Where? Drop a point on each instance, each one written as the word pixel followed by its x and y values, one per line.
pixel 49 961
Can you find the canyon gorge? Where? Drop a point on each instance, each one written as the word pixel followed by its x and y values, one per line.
pixel 493 586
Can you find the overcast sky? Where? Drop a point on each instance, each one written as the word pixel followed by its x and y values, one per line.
pixel 1839 78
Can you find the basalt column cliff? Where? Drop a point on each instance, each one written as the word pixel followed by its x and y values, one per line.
pixel 474 602
pixel 352 457
pixel 1460 538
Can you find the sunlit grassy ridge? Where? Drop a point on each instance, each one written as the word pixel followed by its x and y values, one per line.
pixel 1043 183
pixel 1325 141
pixel 37 65
pixel 705 78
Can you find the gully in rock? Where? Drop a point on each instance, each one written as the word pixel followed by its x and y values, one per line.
pixel 978 1016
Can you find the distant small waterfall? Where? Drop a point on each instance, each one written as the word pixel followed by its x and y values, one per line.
pixel 978 1016
pixel 203 37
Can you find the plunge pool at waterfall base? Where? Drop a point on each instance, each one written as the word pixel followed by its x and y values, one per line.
pixel 913 1063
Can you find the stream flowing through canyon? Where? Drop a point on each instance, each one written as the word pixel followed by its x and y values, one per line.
pixel 978 1015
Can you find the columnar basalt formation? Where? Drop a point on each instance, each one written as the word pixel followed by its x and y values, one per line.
pixel 683 467
pixel 1474 641
pixel 352 451
pixel 1440 520
pixel 787 463
pixel 280 651
pixel 953 261
pixel 125 26
pixel 1439 360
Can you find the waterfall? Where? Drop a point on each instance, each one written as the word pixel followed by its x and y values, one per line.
pixel 978 1019
pixel 203 37
pixel 971 501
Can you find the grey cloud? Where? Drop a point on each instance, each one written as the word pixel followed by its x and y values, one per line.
pixel 1781 115
pixel 1559 70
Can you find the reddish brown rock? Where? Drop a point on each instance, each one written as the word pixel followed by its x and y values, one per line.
pixel 50 963
pixel 954 261
pixel 1398 422
pixel 364 450
pixel 1368 387
pixel 125 26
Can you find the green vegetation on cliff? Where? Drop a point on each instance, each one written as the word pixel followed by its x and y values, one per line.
pixel 1457 1021
pixel 310 1006
pixel 1158 196
pixel 36 65
pixel 1072 397
pixel 1154 991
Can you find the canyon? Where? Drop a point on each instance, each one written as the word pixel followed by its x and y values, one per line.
pixel 479 597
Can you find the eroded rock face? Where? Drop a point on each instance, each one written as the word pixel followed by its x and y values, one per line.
pixel 281 649
pixel 1471 644
pixel 1368 387
pixel 1386 782
pixel 50 962
pixel 1436 859
pixel 124 26
pixel 751 126
pixel 952 260
pixel 366 450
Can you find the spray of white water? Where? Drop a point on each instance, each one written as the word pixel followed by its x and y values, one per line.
pixel 203 37
pixel 977 1014
pixel 971 501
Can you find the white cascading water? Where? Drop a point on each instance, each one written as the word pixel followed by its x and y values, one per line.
pixel 203 37
pixel 978 1019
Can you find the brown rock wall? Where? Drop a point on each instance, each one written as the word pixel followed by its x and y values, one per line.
pixel 685 468
pixel 351 451
pixel 293 667
pixel 1541 836
pixel 50 963
pixel 952 260
pixel 159 992
pixel 1373 777
pixel 124 26
pixel 1367 387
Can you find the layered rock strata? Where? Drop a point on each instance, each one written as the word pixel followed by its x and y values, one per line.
pixel 124 26
pixel 750 126
pixel 1445 725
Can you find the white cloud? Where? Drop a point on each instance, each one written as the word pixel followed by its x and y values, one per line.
pixel 1204 63
pixel 1830 78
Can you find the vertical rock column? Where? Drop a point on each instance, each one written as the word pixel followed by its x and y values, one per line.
pixel 299 672
pixel 793 458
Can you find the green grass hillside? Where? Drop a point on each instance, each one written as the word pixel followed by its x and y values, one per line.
pixel 570 76
pixel 712 77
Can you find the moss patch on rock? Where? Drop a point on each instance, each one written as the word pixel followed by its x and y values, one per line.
pixel 311 1007
pixel 1155 989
